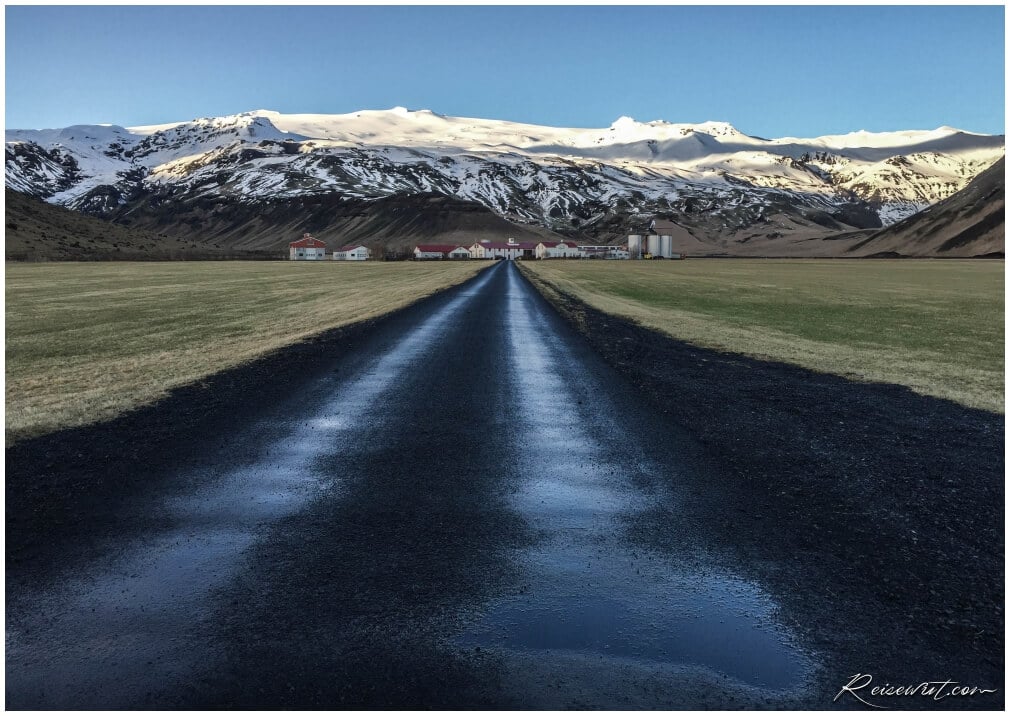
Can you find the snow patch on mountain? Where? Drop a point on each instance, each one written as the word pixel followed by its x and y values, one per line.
pixel 534 172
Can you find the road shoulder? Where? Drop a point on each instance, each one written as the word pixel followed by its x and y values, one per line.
pixel 876 512
pixel 68 490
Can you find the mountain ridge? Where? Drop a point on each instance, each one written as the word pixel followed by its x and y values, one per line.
pixel 716 182
pixel 969 223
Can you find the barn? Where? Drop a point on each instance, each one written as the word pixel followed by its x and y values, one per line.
pixel 352 253
pixel 307 248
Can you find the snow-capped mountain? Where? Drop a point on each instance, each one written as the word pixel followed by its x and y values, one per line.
pixel 710 177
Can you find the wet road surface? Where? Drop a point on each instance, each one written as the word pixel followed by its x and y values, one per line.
pixel 445 518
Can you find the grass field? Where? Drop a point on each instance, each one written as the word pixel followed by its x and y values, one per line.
pixel 934 326
pixel 86 341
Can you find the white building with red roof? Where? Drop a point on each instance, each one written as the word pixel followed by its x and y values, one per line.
pixel 558 250
pixel 307 248
pixel 425 252
pixel 352 252
pixel 458 252
pixel 510 249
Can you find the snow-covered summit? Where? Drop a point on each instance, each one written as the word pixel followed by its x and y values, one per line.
pixel 402 127
pixel 513 167
pixel 625 139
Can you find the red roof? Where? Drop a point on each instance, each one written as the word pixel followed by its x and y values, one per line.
pixel 307 242
pixel 505 245
pixel 439 248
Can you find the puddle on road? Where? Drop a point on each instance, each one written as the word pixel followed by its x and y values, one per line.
pixel 712 622
pixel 590 592
pixel 108 638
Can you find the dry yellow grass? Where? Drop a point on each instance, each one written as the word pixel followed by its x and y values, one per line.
pixel 934 326
pixel 86 341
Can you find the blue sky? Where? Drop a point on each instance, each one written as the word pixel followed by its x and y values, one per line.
pixel 771 71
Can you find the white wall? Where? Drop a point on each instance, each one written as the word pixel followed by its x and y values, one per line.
pixel 300 254
pixel 427 254
pixel 570 251
pixel 359 253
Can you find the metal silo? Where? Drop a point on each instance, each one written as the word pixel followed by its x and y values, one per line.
pixel 635 246
pixel 666 246
pixel 654 245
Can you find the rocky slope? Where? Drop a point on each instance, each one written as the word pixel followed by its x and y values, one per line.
pixel 721 186
pixel 967 224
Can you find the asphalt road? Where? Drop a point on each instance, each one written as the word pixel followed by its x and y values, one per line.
pixel 449 514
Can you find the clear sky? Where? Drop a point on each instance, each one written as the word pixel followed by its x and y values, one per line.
pixel 770 71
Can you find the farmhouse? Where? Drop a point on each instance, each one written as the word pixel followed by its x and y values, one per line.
pixel 558 250
pixel 477 250
pixel 352 253
pixel 513 249
pixel 510 249
pixel 427 252
pixel 307 248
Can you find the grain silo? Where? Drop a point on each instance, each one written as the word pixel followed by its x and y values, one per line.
pixel 654 245
pixel 635 246
pixel 666 246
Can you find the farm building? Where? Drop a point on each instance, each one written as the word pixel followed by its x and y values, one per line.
pixel 558 250
pixel 510 249
pixel 426 252
pixel 352 253
pixel 307 248
pixel 604 252
pixel 659 242
pixel 513 249
pixel 481 250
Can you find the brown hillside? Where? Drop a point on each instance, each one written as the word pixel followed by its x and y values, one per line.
pixel 37 231
pixel 394 223
pixel 969 223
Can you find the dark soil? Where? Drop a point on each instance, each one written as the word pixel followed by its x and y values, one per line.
pixel 77 487
pixel 874 510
